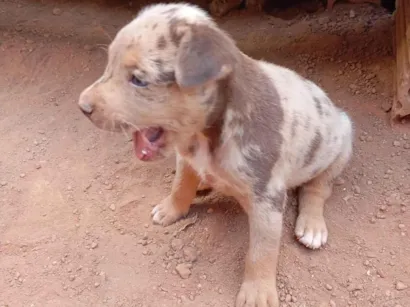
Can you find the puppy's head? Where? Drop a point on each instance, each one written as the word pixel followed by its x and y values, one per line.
pixel 163 78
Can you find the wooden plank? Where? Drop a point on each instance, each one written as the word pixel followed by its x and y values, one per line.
pixel 401 101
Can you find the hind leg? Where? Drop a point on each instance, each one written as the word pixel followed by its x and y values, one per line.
pixel 311 228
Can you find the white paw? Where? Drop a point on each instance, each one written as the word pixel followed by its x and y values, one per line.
pixel 165 213
pixel 311 230
pixel 259 293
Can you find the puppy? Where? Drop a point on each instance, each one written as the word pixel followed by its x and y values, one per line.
pixel 247 128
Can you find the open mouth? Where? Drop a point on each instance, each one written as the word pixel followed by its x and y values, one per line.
pixel 147 142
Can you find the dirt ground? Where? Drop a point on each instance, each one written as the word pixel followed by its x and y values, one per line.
pixel 75 226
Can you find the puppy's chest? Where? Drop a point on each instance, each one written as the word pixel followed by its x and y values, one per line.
pixel 219 171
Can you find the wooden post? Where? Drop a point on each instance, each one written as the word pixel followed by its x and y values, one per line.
pixel 401 102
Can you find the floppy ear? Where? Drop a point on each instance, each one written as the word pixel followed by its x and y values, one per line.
pixel 205 53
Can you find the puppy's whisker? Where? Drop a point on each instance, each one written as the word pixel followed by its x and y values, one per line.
pixel 103 48
pixel 130 124
pixel 126 135
pixel 105 33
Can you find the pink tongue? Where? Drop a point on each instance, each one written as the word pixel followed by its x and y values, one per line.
pixel 144 149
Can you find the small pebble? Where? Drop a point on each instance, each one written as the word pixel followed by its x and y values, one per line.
pixel 381 273
pixel 184 270
pixel 393 199
pixel 112 207
pixel 401 286
pixel 177 244
pixel 190 254
pixel 329 287
pixel 57 11
pixel 386 105
pixel 94 245
pixel 339 181
pixel 380 216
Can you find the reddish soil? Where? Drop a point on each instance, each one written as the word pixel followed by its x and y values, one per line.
pixel 75 226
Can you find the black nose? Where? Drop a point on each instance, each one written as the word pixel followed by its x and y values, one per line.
pixel 86 108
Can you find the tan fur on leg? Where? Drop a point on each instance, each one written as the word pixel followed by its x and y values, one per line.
pixel 259 285
pixel 177 204
pixel 310 226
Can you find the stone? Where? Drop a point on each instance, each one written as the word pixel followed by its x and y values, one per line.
pixel 184 270
pixel 177 244
pixel 57 11
pixel 190 254
pixel 401 286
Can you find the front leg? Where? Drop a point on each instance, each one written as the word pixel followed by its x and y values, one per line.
pixel 183 192
pixel 265 226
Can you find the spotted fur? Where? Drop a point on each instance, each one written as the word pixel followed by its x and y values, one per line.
pixel 245 128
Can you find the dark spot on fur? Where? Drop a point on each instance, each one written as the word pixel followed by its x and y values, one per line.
pixel 277 201
pixel 161 43
pixel 166 77
pixel 314 146
pixel 170 11
pixel 193 147
pixel 295 124
pixel 154 26
pixel 318 105
pixel 213 133
pixel 262 127
pixel 173 31
pixel 307 124
pixel 159 63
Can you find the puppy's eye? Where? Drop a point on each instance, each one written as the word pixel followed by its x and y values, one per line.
pixel 137 82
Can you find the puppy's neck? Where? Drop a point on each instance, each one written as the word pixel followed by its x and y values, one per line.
pixel 216 118
pixel 235 93
pixel 243 84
